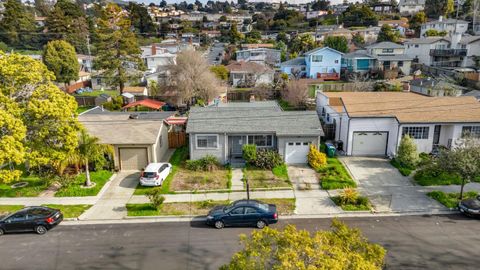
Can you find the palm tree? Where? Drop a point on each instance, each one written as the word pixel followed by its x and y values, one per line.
pixel 89 147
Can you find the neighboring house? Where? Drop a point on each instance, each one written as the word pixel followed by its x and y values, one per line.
pixel 340 32
pixel 400 25
pixel 137 140
pixel 373 123
pixel 315 14
pixel 369 35
pixel 136 90
pixel 249 74
pixel 154 57
pixel 261 56
pixel 320 63
pixel 433 51
pixel 358 61
pixel 383 7
pixel 248 46
pixel 442 24
pixel 410 7
pixel 86 62
pixel 102 98
pixel 474 93
pixel 390 57
pixel 222 131
pixel 435 87
pixel 471 44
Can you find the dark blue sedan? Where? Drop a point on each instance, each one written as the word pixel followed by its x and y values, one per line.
pixel 243 213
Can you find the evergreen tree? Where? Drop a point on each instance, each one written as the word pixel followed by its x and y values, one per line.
pixel 387 33
pixel 17 25
pixel 337 43
pixel 60 58
pixel 140 19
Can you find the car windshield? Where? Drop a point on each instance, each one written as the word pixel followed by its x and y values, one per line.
pixel 149 174
pixel 476 203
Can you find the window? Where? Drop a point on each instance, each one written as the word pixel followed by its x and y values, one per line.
pixel 416 46
pixel 250 210
pixel 328 117
pixel 417 133
pixel 16 218
pixel 207 141
pixel 336 61
pixel 387 50
pixel 317 58
pixel 237 211
pixel 473 131
pixel 261 140
pixel 162 168
pixel 400 63
pixel 323 112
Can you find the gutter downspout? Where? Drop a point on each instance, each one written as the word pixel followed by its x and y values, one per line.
pixel 348 137
pixel 398 133
pixel 225 147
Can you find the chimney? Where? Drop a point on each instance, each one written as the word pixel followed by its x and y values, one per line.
pixel 406 86
pixel 154 49
pixel 440 18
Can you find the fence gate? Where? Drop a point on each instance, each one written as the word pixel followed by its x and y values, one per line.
pixel 177 139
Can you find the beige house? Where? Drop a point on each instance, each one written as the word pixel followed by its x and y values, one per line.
pixel 390 57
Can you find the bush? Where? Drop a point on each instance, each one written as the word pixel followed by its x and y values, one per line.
pixel 316 159
pixel 208 163
pixel 403 170
pixel 156 198
pixel 268 159
pixel 249 153
pixel 115 105
pixel 450 200
pixel 349 196
pixel 407 153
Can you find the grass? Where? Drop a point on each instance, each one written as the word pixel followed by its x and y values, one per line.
pixel 83 109
pixel 7 209
pixel 405 171
pixel 450 200
pixel 70 211
pixel 433 177
pixel 284 207
pixel 229 176
pixel 95 93
pixel 335 176
pixel 362 204
pixel 35 186
pixel 75 189
pixel 199 180
pixel 261 178
pixel 179 156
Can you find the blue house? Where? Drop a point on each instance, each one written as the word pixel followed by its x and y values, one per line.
pixel 320 63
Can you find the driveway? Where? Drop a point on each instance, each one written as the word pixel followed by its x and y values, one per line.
pixel 387 189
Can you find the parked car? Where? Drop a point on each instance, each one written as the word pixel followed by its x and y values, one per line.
pixel 470 207
pixel 39 219
pixel 243 213
pixel 155 173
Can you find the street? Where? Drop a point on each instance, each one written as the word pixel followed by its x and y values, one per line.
pixel 412 242
pixel 214 55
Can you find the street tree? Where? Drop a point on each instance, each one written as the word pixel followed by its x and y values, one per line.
pixel 338 43
pixel 290 248
pixel 118 52
pixel 60 58
pixel 387 33
pixel 220 71
pixel 295 92
pixel 17 25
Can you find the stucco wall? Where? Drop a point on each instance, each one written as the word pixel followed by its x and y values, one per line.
pixel 116 159
pixel 218 152
pixel 161 147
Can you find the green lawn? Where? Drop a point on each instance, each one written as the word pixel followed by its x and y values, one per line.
pixel 285 207
pixel 362 204
pixel 35 185
pixel 7 209
pixel 433 177
pixel 75 189
pixel 262 178
pixel 83 108
pixel 112 93
pixel 70 211
pixel 335 176
pixel 450 200
pixel 405 171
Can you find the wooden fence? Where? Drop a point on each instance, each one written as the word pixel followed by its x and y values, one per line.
pixel 85 101
pixel 177 139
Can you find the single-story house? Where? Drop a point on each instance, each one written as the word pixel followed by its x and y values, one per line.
pixel 373 123
pixel 136 90
pixel 435 87
pixel 222 130
pixel 138 138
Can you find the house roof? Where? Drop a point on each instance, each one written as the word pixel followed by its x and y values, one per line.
pixel 321 49
pixel 359 54
pixel 409 107
pixel 428 40
pixel 469 39
pixel 117 128
pixel 253 117
pixel 149 103
pixel 397 57
pixel 134 89
pixel 385 45
pixel 299 61
pixel 248 67
pixel 473 93
pixel 447 21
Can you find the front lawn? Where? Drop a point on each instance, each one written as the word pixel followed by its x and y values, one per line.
pixel 35 186
pixel 450 200
pixel 285 207
pixel 75 189
pixel 404 170
pixel 428 176
pixel 112 93
pixel 361 204
pixel 70 211
pixel 7 209
pixel 335 176
pixel 263 178
pixel 189 180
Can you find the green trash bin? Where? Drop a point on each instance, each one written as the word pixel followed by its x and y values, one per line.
pixel 330 149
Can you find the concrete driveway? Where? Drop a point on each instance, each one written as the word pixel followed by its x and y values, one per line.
pixel 387 189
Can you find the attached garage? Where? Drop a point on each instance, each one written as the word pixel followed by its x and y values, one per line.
pixel 370 143
pixel 296 152
pixel 133 158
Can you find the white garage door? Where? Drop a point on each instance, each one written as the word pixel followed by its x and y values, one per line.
pixel 296 152
pixel 133 158
pixel 369 143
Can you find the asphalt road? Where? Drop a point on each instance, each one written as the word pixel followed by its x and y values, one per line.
pixel 413 242
pixel 216 49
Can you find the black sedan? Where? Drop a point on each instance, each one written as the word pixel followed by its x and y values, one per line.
pixel 243 213
pixel 470 207
pixel 36 218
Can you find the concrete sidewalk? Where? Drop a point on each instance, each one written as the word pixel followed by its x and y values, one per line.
pixel 237 179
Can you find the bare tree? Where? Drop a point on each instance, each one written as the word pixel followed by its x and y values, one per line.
pixel 192 77
pixel 295 92
pixel 360 82
pixel 263 91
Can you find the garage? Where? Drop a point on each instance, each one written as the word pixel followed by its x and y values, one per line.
pixel 296 152
pixel 370 143
pixel 133 158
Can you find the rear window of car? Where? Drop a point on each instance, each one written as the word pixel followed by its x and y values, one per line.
pixel 39 212
pixel 263 206
pixel 149 174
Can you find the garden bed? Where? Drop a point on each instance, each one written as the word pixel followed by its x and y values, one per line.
pixel 263 178
pixel 433 177
pixel 70 211
pixel 75 189
pixel 7 209
pixel 404 170
pixel 335 176
pixel 361 204
pixel 450 200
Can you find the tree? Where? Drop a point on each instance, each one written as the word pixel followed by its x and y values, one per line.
pixel 463 160
pixel 435 8
pixel 407 152
pixel 118 51
pixel 435 33
pixel 60 58
pixel 358 39
pixel 220 71
pixel 321 5
pixel 387 33
pixel 302 43
pixel 17 25
pixel 416 22
pixel 141 21
pixel 359 15
pixel 42 7
pixel 338 43
pixel 295 93
pixel 192 77
pixel 340 248
pixel 235 36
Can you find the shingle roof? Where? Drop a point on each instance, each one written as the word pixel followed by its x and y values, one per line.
pixel 398 57
pixel 469 39
pixel 248 67
pixel 359 54
pixel 320 49
pixel 299 61
pixel 474 93
pixel 253 119
pixel 428 40
pixel 385 45
pixel 410 107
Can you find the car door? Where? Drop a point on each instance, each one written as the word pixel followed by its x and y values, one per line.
pixel 234 217
pixel 15 223
pixel 252 215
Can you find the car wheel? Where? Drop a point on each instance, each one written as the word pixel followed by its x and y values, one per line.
pixel 261 224
pixel 40 229
pixel 1 231
pixel 219 224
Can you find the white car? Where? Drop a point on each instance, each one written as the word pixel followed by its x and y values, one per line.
pixel 155 173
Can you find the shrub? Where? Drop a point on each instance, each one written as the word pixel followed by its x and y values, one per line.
pixel 316 159
pixel 407 153
pixel 267 159
pixel 249 153
pixel 193 165
pixel 207 163
pixel 156 198
pixel 349 196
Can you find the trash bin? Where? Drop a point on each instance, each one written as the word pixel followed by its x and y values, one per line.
pixel 330 149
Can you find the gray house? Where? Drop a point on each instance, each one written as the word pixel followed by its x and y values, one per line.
pixel 222 131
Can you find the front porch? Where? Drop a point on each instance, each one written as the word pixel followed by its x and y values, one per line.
pixel 236 142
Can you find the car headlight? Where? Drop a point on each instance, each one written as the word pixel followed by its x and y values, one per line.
pixel 209 217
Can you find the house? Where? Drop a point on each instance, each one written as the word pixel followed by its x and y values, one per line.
pixel 390 58
pixel 138 139
pixel 320 63
pixel 400 25
pixel 136 90
pixel 86 62
pixel 442 24
pixel 155 56
pixel 249 74
pixel 369 35
pixel 222 130
pixel 373 123
pixel 474 93
pixel 248 46
pixel 261 56
pixel 358 61
pixel 340 32
pixel 435 87
pixel 433 51
pixel 383 7
pixel 315 14
pixel 471 44
pixel 410 7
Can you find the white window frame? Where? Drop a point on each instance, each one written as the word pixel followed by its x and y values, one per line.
pixel 266 146
pixel 412 129
pixel 321 58
pixel 207 135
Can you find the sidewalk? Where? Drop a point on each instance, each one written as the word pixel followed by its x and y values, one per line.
pixel 237 179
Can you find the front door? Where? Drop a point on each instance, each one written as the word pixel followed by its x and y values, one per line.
pixel 236 146
pixel 436 135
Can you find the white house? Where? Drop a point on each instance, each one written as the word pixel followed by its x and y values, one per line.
pixel 429 51
pixel 449 25
pixel 373 123
pixel 249 74
pixel 410 7
pixel 261 56
pixel 472 46
pixel 155 57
